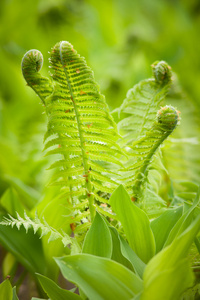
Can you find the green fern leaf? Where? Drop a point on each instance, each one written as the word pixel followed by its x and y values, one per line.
pixel 37 225
pixel 80 127
pixel 144 149
pixel 138 111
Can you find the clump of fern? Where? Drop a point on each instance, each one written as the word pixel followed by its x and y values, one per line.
pixel 95 153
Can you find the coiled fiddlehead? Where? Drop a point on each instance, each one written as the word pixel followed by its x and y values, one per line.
pixel 162 72
pixel 32 63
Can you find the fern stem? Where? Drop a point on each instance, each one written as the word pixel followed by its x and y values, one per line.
pixel 83 150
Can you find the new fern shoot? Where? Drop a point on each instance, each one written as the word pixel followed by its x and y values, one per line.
pixel 96 153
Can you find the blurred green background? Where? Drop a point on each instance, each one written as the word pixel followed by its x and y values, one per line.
pixel 119 39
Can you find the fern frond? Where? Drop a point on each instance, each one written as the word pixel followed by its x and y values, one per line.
pixel 144 149
pixel 80 127
pixel 42 228
pixel 138 111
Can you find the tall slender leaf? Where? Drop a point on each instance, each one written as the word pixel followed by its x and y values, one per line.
pixel 98 240
pixel 135 223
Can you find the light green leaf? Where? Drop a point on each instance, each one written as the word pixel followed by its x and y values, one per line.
pixel 135 223
pixel 9 264
pixel 184 221
pixel 162 226
pixel 136 262
pixel 6 290
pixel 98 240
pixel 168 274
pixel 123 254
pixel 54 291
pixel 116 251
pixel 100 278
pixel 15 294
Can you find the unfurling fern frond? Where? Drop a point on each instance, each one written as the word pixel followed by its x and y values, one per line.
pixel 80 127
pixel 42 228
pixel 142 150
pixel 138 111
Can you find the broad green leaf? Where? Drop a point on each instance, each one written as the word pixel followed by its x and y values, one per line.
pixel 116 251
pixel 135 223
pixel 123 254
pixel 6 290
pixel 15 294
pixel 54 291
pixel 169 273
pixel 136 262
pixel 162 226
pixel 100 278
pixel 98 240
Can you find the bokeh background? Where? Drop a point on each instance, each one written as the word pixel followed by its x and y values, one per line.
pixel 119 39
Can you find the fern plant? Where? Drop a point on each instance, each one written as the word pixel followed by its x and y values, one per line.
pixel 95 153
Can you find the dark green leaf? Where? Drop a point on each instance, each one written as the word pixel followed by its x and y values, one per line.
pixel 54 291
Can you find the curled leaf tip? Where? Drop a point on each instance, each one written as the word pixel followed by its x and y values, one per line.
pixel 161 72
pixel 168 117
pixel 32 62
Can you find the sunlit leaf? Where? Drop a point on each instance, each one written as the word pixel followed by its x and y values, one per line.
pixel 6 290
pixel 162 226
pixel 98 240
pixel 15 294
pixel 135 223
pixel 100 278
pixel 168 274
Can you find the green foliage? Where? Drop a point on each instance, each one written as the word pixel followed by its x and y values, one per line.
pixel 79 122
pixel 106 279
pixel 170 269
pixel 6 290
pixel 124 252
pixel 135 223
pixel 54 291
pixel 37 225
pixel 98 240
